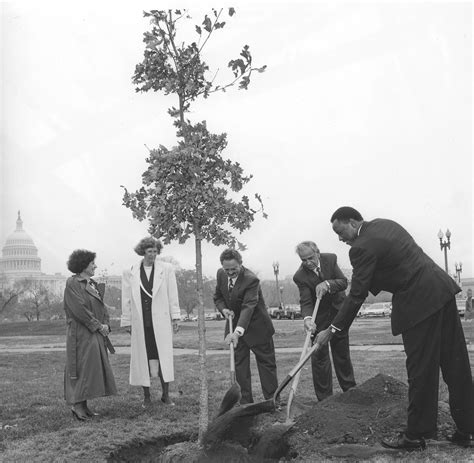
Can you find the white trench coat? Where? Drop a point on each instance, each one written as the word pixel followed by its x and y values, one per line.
pixel 164 308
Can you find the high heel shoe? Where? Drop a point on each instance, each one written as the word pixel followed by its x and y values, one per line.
pixel 78 416
pixel 91 413
pixel 167 401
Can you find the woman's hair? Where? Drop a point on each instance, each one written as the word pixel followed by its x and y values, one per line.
pixel 146 243
pixel 79 260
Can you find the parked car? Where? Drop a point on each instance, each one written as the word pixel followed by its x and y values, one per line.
pixel 213 316
pixel 378 309
pixel 289 312
pixel 461 304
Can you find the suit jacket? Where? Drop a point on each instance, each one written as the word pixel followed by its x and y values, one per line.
pixel 247 302
pixel 307 280
pixel 385 257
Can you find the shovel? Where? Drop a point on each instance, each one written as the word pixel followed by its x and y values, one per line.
pixel 221 425
pixel 296 379
pixel 261 407
pixel 233 394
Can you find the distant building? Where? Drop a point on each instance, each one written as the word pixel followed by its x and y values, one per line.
pixel 20 261
pixel 110 280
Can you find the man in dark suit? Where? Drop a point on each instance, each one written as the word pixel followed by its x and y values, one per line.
pixel 385 257
pixel 238 295
pixel 320 276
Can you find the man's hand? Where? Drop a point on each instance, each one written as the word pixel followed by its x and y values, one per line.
pixel 228 313
pixel 309 326
pixel 321 289
pixel 324 337
pixel 232 338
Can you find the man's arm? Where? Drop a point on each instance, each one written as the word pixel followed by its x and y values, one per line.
pixel 219 300
pixel 249 302
pixel 364 263
pixel 338 282
pixel 306 298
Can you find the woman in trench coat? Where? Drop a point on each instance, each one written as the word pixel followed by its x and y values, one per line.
pixel 88 373
pixel 150 308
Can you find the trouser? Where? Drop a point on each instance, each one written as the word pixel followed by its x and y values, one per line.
pixel 322 370
pixel 266 365
pixel 434 343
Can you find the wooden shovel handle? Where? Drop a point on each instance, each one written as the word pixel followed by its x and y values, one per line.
pixel 232 358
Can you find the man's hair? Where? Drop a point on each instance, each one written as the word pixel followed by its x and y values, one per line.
pixel 230 254
pixel 306 244
pixel 345 213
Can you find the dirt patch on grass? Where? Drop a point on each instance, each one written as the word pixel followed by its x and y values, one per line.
pixel 363 415
pixel 354 422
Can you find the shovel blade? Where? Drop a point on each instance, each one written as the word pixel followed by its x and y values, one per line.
pixel 232 396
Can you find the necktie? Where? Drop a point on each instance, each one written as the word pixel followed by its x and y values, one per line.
pixel 231 285
pixel 318 272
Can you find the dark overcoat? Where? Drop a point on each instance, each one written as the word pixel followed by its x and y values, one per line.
pixel 385 257
pixel 88 373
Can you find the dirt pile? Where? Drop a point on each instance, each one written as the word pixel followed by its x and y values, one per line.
pixel 365 414
pixel 354 422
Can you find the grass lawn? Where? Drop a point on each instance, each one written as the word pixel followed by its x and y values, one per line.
pixel 36 424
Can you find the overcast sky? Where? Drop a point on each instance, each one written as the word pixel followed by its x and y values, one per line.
pixel 367 105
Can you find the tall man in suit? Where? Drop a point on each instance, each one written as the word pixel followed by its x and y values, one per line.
pixel 320 276
pixel 384 256
pixel 238 295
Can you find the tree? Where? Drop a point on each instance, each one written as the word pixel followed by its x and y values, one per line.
pixel 35 297
pixel 187 189
pixel 8 295
pixel 188 296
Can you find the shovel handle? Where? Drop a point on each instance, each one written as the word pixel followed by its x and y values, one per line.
pixel 295 370
pixel 232 358
pixel 306 344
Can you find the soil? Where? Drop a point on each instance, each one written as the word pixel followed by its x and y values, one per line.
pixel 349 424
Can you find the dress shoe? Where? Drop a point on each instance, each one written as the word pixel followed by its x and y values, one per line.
pixel 462 439
pixel 80 416
pixel 91 413
pixel 167 401
pixel 402 442
pixel 146 402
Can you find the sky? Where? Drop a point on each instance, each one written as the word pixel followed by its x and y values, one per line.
pixel 362 104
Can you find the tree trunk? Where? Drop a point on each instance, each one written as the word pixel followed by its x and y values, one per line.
pixel 203 398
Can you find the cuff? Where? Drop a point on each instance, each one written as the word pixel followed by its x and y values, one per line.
pixel 239 330
pixel 307 316
pixel 334 328
pixel 328 285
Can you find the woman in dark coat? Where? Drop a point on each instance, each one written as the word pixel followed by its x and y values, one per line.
pixel 88 373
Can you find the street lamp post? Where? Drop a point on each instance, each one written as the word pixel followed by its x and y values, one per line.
pixel 445 245
pixel 276 271
pixel 458 268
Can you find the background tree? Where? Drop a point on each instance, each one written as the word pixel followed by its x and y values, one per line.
pixel 188 296
pixel 8 296
pixel 186 188
pixel 35 297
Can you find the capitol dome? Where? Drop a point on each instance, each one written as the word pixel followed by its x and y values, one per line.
pixel 20 255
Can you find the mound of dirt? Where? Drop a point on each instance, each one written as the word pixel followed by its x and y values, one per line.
pixel 349 424
pixel 365 414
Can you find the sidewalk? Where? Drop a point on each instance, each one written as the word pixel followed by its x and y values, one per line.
pixel 125 350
